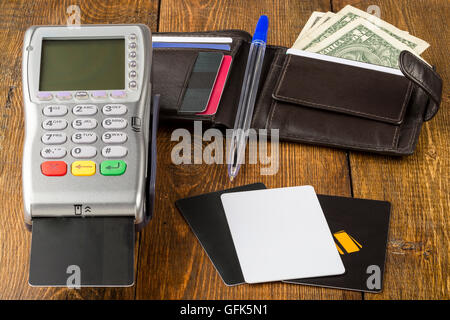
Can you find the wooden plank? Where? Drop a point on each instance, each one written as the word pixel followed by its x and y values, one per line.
pixel 418 185
pixel 173 264
pixel 15 18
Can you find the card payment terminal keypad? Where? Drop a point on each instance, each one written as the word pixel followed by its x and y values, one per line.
pixel 55 140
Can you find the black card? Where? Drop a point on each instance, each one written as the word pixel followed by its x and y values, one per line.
pixel 82 251
pixel 360 231
pixel 206 217
pixel 201 82
pixel 359 227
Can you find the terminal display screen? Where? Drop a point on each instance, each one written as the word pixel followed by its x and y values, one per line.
pixel 92 64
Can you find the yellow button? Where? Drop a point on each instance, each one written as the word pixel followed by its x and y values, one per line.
pixel 83 168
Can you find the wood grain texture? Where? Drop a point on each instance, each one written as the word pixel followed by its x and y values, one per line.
pixel 15 18
pixel 417 186
pixel 172 263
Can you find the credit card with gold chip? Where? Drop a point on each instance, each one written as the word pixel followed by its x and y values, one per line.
pixel 360 231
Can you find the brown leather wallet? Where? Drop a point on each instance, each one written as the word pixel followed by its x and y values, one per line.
pixel 309 100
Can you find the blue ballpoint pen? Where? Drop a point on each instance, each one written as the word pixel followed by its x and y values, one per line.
pixel 244 115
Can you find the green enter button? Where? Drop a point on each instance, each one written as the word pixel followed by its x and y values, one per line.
pixel 113 167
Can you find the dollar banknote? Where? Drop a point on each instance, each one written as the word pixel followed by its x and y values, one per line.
pixel 313 19
pixel 327 16
pixel 346 16
pixel 313 22
pixel 362 41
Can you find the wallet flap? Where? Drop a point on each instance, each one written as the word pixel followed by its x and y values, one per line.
pixel 341 88
pixel 425 77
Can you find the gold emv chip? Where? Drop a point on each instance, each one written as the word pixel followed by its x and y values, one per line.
pixel 347 242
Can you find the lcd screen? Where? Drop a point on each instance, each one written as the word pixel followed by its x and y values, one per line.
pixel 97 64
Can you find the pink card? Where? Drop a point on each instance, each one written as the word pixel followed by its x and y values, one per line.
pixel 217 90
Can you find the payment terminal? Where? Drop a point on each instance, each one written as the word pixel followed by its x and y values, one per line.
pixel 88 157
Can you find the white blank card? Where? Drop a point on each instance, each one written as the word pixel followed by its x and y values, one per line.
pixel 281 234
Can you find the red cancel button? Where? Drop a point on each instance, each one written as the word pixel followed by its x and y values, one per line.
pixel 54 168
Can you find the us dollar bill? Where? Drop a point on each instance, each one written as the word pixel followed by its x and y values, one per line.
pixel 360 40
pixel 315 16
pixel 327 16
pixel 313 23
pixel 346 16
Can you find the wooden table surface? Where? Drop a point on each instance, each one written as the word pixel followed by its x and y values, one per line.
pixel 170 262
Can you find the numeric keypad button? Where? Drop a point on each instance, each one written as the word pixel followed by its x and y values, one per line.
pixel 114 152
pixel 114 137
pixel 54 124
pixel 114 123
pixel 53 152
pixel 54 138
pixel 54 110
pixel 114 109
pixel 85 110
pixel 84 137
pixel 84 152
pixel 84 124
